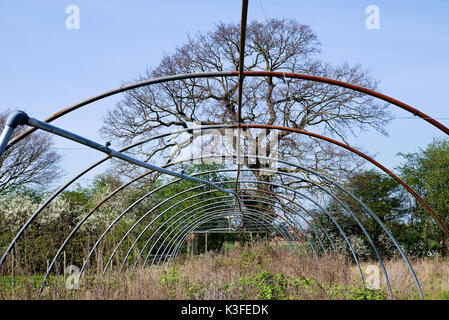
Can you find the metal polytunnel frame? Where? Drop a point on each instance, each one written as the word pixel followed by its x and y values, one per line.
pixel 222 201
pixel 21 118
pixel 209 184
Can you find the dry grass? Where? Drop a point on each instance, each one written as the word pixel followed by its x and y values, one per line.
pixel 257 272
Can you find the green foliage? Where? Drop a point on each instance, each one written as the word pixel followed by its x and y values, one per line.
pixel 427 171
pixel 383 196
pixel 266 285
pixel 169 281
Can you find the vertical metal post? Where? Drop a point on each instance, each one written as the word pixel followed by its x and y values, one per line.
pixel 13 271
pixel 65 266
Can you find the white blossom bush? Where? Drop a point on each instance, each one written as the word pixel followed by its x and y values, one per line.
pixel 15 211
pixel 357 243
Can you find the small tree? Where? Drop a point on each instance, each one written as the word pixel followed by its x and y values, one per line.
pixel 384 196
pixel 427 171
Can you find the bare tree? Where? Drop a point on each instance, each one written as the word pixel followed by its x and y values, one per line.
pixel 30 162
pixel 274 45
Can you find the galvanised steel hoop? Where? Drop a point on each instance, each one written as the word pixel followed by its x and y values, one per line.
pixel 191 214
pixel 210 217
pixel 142 217
pixel 346 239
pixel 216 198
pixel 183 233
pixel 354 217
pixel 161 214
pixel 409 189
pixel 141 220
pixel 178 246
pixel 267 225
pixel 199 220
pixel 254 215
pixel 259 219
pixel 190 223
pixel 203 208
pixel 129 251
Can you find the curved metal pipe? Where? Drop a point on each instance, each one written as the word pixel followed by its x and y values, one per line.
pixel 191 212
pixel 268 225
pixel 282 75
pixel 131 248
pixel 162 213
pixel 178 245
pixel 340 229
pixel 185 231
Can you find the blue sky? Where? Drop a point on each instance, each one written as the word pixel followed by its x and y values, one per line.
pixel 45 67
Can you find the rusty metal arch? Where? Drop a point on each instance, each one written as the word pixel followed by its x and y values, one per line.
pixel 301 76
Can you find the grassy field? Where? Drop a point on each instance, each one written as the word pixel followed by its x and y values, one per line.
pixel 258 272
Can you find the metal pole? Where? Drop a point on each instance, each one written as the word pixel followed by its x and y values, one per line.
pixel 4 138
pixel 15 119
pixel 13 270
